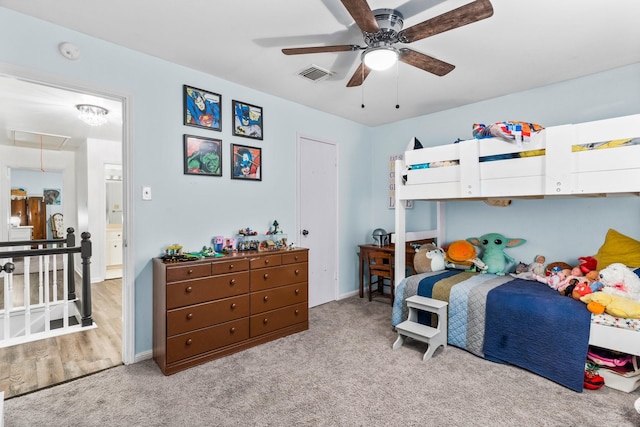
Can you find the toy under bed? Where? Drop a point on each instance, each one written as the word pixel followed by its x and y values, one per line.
pixel 510 320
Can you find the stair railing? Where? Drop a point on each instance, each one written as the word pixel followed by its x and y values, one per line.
pixel 67 248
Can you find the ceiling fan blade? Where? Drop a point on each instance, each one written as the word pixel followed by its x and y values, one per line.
pixel 425 62
pixel 362 14
pixel 467 14
pixel 320 49
pixel 358 77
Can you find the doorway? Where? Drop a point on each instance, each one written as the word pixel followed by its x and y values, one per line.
pixel 36 98
pixel 114 218
pixel 318 215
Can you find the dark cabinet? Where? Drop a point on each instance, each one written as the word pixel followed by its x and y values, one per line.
pixel 31 211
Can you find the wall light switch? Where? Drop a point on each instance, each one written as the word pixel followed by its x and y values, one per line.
pixel 146 193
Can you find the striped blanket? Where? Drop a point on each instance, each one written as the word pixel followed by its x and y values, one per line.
pixel 507 320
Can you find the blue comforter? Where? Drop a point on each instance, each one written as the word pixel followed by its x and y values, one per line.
pixel 509 320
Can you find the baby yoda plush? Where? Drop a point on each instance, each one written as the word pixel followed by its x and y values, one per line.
pixel 493 245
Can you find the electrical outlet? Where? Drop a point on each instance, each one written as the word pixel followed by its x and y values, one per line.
pixel 146 193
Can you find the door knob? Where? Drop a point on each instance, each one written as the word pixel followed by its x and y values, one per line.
pixel 305 232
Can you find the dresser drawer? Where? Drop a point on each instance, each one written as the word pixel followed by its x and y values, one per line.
pixel 266 261
pixel 266 278
pixel 225 267
pixel 199 316
pixel 278 297
pixel 186 272
pixel 277 319
pixel 294 257
pixel 192 343
pixel 196 291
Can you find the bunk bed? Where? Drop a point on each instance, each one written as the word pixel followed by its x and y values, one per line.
pixel 559 161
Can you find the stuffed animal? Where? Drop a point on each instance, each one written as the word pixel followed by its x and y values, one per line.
pixel 428 257
pixel 493 245
pixel 618 279
pixel 553 280
pixel 462 255
pixel 599 302
pixel 531 271
pixel 587 264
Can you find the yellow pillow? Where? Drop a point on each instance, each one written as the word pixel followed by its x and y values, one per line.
pixel 618 248
pixel 615 305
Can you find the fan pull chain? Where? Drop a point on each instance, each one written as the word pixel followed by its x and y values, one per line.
pixel 362 86
pixel 397 85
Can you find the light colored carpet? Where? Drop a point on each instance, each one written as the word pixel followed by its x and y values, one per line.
pixel 341 372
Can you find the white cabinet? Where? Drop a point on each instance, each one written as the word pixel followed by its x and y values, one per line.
pixel 114 247
pixel 20 233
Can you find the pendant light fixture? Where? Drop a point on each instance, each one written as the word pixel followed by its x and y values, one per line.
pixel 93 115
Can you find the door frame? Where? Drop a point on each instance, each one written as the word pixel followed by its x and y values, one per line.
pixel 128 288
pixel 333 238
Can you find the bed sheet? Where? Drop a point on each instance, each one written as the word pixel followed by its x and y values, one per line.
pixel 507 320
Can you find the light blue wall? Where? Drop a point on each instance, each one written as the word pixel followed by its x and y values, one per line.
pixel 190 209
pixel 562 229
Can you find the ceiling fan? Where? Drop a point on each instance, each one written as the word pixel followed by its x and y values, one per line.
pixel 382 29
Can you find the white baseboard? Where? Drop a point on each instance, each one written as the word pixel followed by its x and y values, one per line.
pixel 145 355
pixel 347 295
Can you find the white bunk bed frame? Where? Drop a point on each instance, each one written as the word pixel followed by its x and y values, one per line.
pixel 560 172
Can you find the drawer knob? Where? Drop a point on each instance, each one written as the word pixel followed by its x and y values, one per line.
pixel 297 312
pixel 189 341
pixel 266 276
pixel 266 298
pixel 230 266
pixel 189 289
pixel 233 306
pixel 189 316
pixel 297 291
pixel 266 261
pixel 265 320
pixel 232 282
pixel 297 272
pixel 296 257
pixel 232 330
pixel 190 271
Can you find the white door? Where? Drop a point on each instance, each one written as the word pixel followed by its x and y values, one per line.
pixel 318 215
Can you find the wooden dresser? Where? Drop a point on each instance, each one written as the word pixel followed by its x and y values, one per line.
pixel 206 309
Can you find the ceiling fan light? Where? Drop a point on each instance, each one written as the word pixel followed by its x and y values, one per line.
pixel 380 58
pixel 93 115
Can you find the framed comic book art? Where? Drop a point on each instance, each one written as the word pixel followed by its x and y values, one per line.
pixel 247 120
pixel 246 162
pixel 202 156
pixel 202 108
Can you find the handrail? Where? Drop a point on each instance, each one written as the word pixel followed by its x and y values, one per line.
pixel 85 252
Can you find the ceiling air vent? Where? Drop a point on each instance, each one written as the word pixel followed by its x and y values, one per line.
pixel 315 73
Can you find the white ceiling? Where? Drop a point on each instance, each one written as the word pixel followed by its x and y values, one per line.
pixel 31 114
pixel 525 44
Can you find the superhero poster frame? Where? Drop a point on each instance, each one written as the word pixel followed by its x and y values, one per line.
pixel 199 148
pixel 247 120
pixel 246 162
pixel 202 108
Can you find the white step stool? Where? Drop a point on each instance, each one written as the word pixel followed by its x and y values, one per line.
pixel 434 337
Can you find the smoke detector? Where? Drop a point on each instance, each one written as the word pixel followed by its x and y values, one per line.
pixel 69 50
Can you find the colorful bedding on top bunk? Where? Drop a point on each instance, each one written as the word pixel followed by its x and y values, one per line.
pixel 519 133
pixel 507 320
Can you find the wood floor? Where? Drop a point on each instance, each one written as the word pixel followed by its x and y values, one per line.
pixel 28 367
